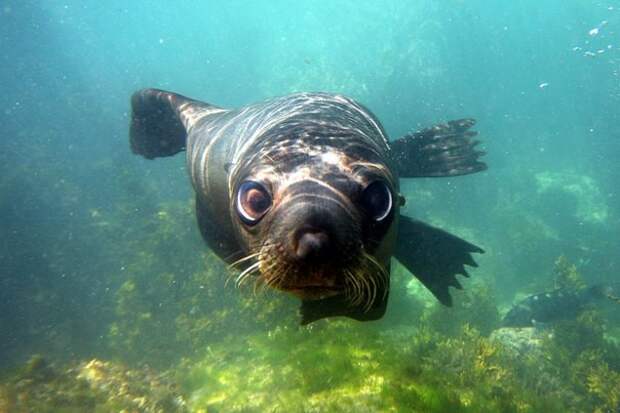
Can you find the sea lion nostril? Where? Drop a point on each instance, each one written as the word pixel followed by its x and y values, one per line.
pixel 311 243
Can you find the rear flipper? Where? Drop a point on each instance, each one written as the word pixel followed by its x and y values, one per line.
pixel 160 120
pixel 339 306
pixel 442 150
pixel 434 256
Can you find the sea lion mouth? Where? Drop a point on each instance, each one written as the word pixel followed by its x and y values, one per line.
pixel 306 280
pixel 313 292
pixel 361 279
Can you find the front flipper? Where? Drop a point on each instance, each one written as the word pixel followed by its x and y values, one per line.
pixel 160 120
pixel 434 256
pixel 340 306
pixel 442 150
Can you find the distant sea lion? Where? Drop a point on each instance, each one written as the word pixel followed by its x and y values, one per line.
pixel 557 305
pixel 301 192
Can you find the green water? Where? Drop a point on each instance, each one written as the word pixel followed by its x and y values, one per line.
pixel 100 256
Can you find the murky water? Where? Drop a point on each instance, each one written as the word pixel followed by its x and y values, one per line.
pixel 110 300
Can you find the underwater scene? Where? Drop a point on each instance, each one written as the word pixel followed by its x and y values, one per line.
pixel 501 258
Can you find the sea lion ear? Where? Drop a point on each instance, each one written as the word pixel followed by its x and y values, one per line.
pixel 442 150
pixel 160 120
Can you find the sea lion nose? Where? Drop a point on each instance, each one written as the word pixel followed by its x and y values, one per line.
pixel 311 243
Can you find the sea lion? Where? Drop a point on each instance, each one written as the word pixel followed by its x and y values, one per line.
pixel 301 192
pixel 557 305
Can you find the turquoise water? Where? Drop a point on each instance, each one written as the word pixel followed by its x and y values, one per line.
pixel 100 256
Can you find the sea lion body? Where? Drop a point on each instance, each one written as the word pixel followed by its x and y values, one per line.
pixel 302 192
pixel 557 305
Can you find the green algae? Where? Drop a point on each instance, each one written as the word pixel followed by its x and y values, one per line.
pixel 566 275
pixel 336 367
pixel 225 349
pixel 344 368
pixel 475 307
pixel 184 292
pixel 94 386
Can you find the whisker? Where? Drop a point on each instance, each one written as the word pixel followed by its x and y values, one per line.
pixel 384 275
pixel 373 293
pixel 278 278
pixel 368 292
pixel 262 281
pixel 243 259
pixel 361 285
pixel 349 286
pixel 365 286
pixel 359 288
pixel 231 256
pixel 245 273
pixel 258 282
pixel 232 266
pixel 248 275
pixel 266 276
pixel 229 276
pixel 274 281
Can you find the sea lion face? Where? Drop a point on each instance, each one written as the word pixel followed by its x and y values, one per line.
pixel 318 215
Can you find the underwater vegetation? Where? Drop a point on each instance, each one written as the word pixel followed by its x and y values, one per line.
pixel 92 386
pixel 191 302
pixel 236 351
pixel 566 275
pixel 532 229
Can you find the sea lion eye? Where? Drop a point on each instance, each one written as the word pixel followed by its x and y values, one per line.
pixel 253 201
pixel 377 200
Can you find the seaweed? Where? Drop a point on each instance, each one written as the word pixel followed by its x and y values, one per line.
pixel 92 386
pixel 231 351
pixel 475 306
pixel 566 275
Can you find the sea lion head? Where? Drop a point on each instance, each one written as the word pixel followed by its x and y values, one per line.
pixel 315 205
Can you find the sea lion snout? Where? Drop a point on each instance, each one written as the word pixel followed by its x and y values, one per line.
pixel 311 243
pixel 315 230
